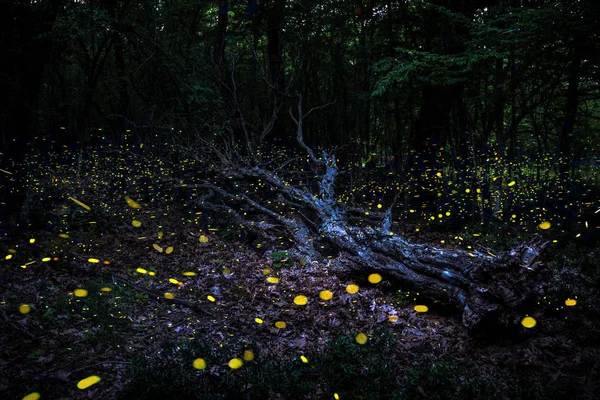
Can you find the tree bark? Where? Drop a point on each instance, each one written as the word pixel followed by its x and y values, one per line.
pixel 487 287
pixel 566 136
pixel 275 25
pixel 221 31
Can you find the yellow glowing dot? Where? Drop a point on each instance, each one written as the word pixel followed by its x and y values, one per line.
pixel 528 322
pixel 174 281
pixel 189 273
pixel 439 174
pixel 300 300
pixel 87 382
pixel 235 363
pixel 352 288
pixel 199 363
pixel 80 203
pixel 258 320
pixel 272 279
pixel 157 248
pixel 570 302
pixel 63 235
pixel 160 234
pixel 141 271
pixel 169 295
pixel 374 278
pixel 248 355
pixel 545 225
pixel 210 298
pixel 169 250
pixel 203 239
pixel 304 359
pixel 24 308
pixel 46 259
pixel 280 324
pixel 132 203
pixel 80 292
pixel 421 308
pixel 468 191
pixel 511 183
pixel 361 338
pixel 8 256
pixel 151 273
pixel 105 289
pixel 32 396
pixel 393 318
pixel 136 223
pixel 325 295
pixel 32 240
pixel 379 206
pixel 93 260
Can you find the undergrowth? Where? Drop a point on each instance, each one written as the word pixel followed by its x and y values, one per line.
pixel 343 368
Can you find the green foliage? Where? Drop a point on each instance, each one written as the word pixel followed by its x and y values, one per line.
pixel 281 258
pixel 412 70
pixel 344 367
pixel 360 371
pixel 402 298
pixel 444 380
pixel 170 374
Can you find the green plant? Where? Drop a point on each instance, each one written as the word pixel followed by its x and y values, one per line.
pixel 444 380
pixel 401 298
pixel 359 371
pixel 281 258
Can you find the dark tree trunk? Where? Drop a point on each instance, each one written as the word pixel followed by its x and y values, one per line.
pixel 26 48
pixel 396 143
pixel 498 119
pixel 566 136
pixel 275 25
pixel 221 31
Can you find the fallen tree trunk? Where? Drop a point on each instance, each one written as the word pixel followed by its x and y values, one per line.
pixel 484 286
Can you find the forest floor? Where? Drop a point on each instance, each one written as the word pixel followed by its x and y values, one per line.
pixel 139 306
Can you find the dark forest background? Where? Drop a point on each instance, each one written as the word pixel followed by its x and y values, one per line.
pixel 451 145
pixel 476 86
pixel 488 91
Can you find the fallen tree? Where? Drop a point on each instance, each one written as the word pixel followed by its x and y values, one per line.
pixel 484 286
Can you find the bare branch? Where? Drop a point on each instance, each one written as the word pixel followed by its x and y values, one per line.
pixel 320 107
pixel 300 133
